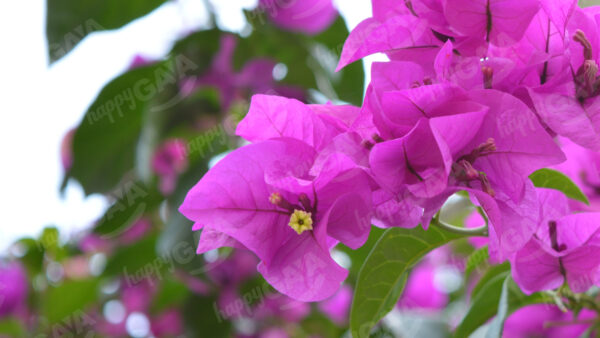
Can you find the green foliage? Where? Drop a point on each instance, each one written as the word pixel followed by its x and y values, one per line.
pixel 384 273
pixel 549 178
pixel 137 262
pixel 69 21
pixel 310 61
pixel 105 142
pixel 135 200
pixel 476 260
pixel 496 293
pixel 12 328
pixel 69 299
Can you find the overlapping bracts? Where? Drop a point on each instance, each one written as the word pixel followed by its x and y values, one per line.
pixel 472 99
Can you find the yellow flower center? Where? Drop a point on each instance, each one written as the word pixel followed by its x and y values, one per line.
pixel 301 221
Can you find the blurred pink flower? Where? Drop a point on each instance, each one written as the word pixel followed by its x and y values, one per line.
pixel 170 160
pixel 66 150
pixel 136 231
pixel 420 292
pixel 13 289
pixel 306 16
pixel 338 306
pixel 255 77
pixel 544 320
pixel 167 324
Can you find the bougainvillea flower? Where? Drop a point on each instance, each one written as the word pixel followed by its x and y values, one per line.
pixel 307 16
pixel 545 320
pixel 337 307
pixel 263 197
pixel 421 292
pixel 330 129
pixel 564 248
pixel 275 116
pixel 255 77
pixel 136 231
pixel 403 36
pixel 567 99
pixel 402 163
pixel 13 289
pixel 276 305
pixel 169 323
pixel 579 120
pixel 170 160
pixel 501 22
pixel 521 144
pixel 396 111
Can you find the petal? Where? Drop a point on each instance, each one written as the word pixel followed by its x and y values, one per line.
pixel 211 239
pixel 402 162
pixel 233 197
pixel 534 269
pixel 274 116
pixel 522 145
pixel 582 266
pixel 303 270
pixel 347 201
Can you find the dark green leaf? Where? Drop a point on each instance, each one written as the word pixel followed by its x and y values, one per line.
pixel 549 178
pixel 348 83
pixel 104 144
pixel 138 261
pixel 134 200
pixel 202 318
pixel 171 293
pixel 486 299
pixel 69 21
pixel 384 273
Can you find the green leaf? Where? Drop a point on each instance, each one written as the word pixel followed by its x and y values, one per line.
pixel 486 298
pixel 134 200
pixel 105 142
pixel 69 21
pixel 549 178
pixel 496 326
pixel 476 260
pixel 202 318
pixel 311 61
pixel 385 271
pixel 69 300
pixel 172 293
pixel 12 327
pixel 347 84
pixel 358 256
pixel 138 261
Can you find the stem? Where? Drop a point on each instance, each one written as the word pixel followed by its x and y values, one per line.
pixel 473 232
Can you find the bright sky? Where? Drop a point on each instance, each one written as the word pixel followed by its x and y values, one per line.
pixel 39 104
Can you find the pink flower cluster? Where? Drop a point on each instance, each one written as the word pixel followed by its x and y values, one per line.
pixel 472 100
